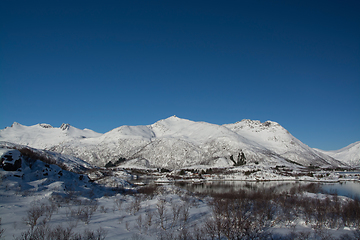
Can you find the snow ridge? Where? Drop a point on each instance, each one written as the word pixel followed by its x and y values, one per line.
pixel 175 143
pixel 349 154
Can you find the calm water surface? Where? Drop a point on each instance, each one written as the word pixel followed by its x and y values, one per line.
pixel 349 189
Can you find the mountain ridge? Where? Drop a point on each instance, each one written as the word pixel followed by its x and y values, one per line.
pixel 349 154
pixel 174 143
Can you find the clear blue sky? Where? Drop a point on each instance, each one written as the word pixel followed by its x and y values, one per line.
pixel 103 64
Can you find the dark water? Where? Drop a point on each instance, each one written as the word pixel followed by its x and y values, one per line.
pixel 348 189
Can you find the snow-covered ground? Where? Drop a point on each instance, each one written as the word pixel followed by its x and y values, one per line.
pixel 71 200
pixel 103 203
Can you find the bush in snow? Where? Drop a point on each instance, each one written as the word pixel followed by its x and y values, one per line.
pixel 84 211
pixel 1 230
pixel 60 233
pixel 37 211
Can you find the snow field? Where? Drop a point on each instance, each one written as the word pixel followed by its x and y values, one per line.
pixel 88 208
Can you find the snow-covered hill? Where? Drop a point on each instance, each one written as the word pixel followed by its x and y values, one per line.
pixel 349 154
pixel 67 162
pixel 169 143
pixel 44 136
pixel 277 139
pixel 173 143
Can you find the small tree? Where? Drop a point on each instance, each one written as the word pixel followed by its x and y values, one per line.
pixel 161 211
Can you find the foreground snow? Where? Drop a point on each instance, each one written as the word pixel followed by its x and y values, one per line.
pixel 99 202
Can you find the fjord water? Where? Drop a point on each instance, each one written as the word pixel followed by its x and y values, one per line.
pixel 349 189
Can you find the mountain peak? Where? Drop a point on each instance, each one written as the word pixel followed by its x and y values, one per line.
pixel 65 126
pixel 15 124
pixel 178 142
pixel 174 117
pixel 45 125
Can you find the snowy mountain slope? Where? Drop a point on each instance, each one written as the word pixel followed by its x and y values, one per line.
pixel 186 143
pixel 173 143
pixel 44 136
pixel 124 141
pixel 277 139
pixel 69 162
pixel 349 154
pixel 170 143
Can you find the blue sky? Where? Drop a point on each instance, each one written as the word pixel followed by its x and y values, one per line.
pixel 103 64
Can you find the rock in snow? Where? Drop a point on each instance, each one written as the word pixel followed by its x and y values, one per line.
pixel 10 159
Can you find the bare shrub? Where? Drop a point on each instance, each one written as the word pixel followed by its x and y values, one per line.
pixel 84 211
pixel 184 234
pixel 103 209
pixel 36 233
pixel 1 230
pixel 356 234
pixel 127 226
pixel 236 218
pixel 198 233
pixel 303 235
pixel 148 217
pixel 136 237
pixel 61 233
pixel 118 202
pixel 38 210
pixel 99 234
pixel 175 210
pixel 33 215
pixel 351 213
pixel 322 234
pixel 212 229
pixel 139 223
pixel 161 212
pixel 335 212
pixel 121 218
pixel 185 213
pixel 149 190
pixel 165 235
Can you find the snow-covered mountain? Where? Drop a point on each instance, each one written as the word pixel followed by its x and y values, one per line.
pixel 277 139
pixel 173 143
pixel 44 136
pixel 349 154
